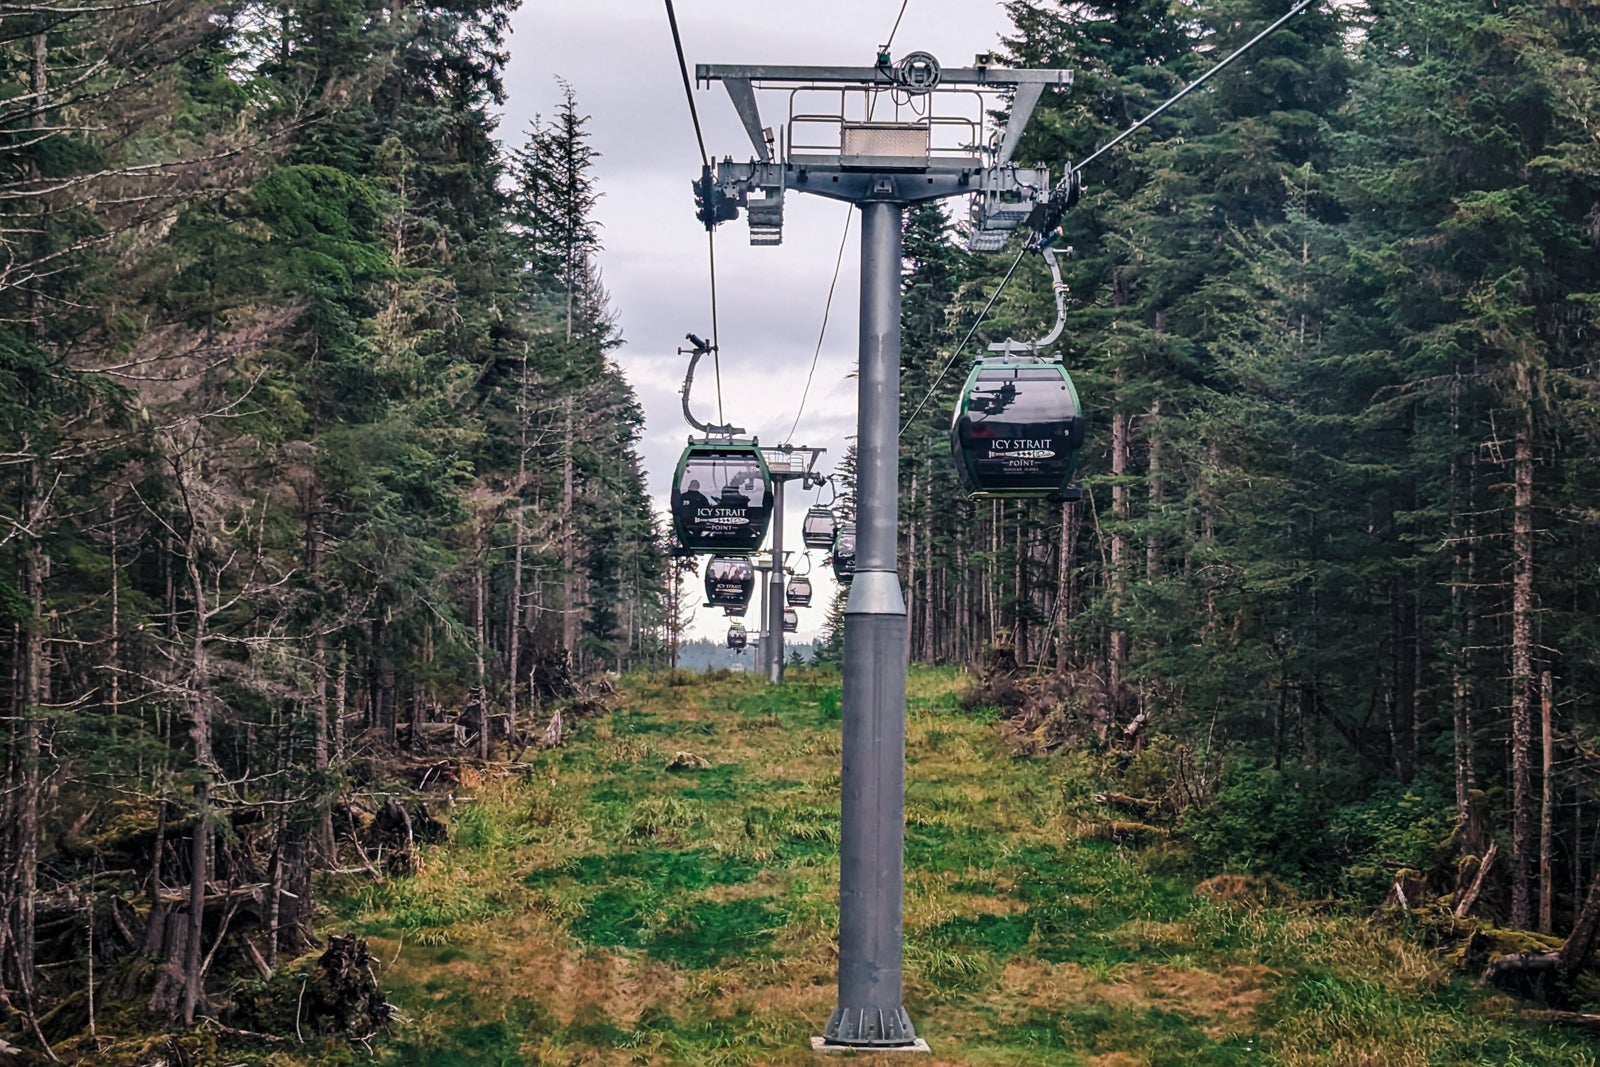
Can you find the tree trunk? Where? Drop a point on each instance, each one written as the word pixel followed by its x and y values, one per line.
pixel 35 566
pixel 480 626
pixel 514 608
pixel 33 667
pixel 341 695
pixel 1464 564
pixel 199 688
pixel 114 652
pixel 929 588
pixel 1116 665
pixel 1547 805
pixel 1157 487
pixel 913 612
pixel 1522 851
pixel 315 539
pixel 1064 580
pixel 1581 942
pixel 1019 609
pixel 569 556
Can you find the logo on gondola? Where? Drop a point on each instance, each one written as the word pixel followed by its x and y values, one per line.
pixel 1022 449
pixel 721 517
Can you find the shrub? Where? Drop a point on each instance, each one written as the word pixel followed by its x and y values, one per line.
pixel 1394 827
pixel 1264 821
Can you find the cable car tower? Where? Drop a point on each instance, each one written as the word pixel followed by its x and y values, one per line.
pixel 879 137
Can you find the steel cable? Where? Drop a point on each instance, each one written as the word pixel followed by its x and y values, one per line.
pixel 711 232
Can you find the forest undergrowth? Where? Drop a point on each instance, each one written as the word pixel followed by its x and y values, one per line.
pixel 663 891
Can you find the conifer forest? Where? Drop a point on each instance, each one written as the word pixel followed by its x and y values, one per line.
pixel 341 633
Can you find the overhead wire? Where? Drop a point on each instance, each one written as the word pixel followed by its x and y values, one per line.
pixel 897 19
pixel 688 86
pixel 1192 86
pixel 711 232
pixel 827 309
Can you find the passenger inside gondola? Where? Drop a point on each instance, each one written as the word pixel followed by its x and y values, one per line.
pixel 993 401
pixel 693 498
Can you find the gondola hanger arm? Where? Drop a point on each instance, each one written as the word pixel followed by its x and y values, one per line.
pixel 701 348
pixel 1059 288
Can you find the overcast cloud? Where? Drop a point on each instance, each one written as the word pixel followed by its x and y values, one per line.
pixel 618 57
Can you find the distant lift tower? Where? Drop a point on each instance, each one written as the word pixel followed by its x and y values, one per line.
pixel 785 463
pixel 880 137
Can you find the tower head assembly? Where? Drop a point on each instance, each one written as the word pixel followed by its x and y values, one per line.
pixel 900 131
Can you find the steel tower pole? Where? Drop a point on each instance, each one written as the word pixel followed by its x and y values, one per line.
pixel 761 627
pixel 775 599
pixel 872 830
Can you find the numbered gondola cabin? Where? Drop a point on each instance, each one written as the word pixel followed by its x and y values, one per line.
pixel 722 498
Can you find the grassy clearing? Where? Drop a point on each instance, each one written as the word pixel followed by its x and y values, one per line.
pixel 612 911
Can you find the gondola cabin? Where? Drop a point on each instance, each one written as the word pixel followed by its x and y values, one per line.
pixel 798 595
pixel 1017 430
pixel 791 621
pixel 738 636
pixel 844 552
pixel 817 529
pixel 722 497
pixel 730 580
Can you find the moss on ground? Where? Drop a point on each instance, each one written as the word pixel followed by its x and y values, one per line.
pixel 609 910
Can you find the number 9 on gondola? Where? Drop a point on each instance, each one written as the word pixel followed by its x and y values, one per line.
pixel 722 497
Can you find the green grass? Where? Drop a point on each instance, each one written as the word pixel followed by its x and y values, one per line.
pixel 607 910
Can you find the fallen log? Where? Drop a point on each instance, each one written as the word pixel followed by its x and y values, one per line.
pixel 1130 737
pixel 1138 806
pixel 257 894
pixel 1470 897
pixel 1520 963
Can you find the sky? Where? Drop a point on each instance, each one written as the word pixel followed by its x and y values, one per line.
pixel 617 55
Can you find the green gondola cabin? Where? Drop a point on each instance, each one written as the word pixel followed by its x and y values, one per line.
pixel 722 497
pixel 1017 430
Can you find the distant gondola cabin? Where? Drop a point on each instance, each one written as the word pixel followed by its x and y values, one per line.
pixel 798 594
pixel 817 528
pixel 1017 430
pixel 844 552
pixel 730 581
